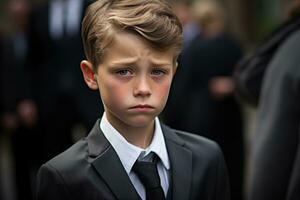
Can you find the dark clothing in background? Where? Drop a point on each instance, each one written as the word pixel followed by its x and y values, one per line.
pixel 250 71
pixel 16 87
pixel 16 83
pixel 25 141
pixel 275 160
pixel 1 77
pixel 63 99
pixel 34 66
pixel 1 107
pixel 191 107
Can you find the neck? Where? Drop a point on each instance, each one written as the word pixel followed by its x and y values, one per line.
pixel 139 136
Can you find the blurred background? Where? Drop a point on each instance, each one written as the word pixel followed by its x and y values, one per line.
pixel 45 106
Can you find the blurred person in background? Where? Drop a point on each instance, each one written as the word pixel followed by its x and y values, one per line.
pixel 204 86
pixel 249 73
pixel 271 79
pixel 183 10
pixel 19 114
pixel 1 111
pixel 15 83
pixel 55 48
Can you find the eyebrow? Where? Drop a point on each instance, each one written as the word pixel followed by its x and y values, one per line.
pixel 124 61
pixel 135 60
pixel 159 61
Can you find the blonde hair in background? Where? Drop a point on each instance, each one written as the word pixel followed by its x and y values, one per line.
pixel 207 13
pixel 153 20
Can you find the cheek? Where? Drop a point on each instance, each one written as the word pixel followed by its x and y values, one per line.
pixel 162 90
pixel 112 93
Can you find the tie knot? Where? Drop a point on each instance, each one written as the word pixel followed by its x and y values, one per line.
pixel 148 174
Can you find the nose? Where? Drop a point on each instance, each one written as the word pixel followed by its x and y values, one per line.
pixel 142 87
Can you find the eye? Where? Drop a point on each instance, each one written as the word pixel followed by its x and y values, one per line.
pixel 124 72
pixel 158 72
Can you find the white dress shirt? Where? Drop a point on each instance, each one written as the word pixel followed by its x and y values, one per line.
pixel 129 153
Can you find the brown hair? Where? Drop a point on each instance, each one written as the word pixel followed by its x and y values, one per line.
pixel 153 20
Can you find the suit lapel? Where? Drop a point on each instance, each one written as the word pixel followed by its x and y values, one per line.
pixel 108 165
pixel 181 164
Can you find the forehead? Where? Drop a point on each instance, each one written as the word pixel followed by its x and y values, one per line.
pixel 130 46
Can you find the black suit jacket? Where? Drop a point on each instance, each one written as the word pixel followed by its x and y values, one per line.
pixel 91 170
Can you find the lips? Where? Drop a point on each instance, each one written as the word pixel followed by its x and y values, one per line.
pixel 142 107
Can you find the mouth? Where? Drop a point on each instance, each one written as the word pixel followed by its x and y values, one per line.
pixel 142 108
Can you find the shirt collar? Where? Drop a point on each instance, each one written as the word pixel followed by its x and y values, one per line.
pixel 129 153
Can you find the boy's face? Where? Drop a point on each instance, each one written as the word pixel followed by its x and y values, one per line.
pixel 134 80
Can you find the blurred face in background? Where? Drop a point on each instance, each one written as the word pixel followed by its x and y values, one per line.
pixel 182 11
pixel 18 11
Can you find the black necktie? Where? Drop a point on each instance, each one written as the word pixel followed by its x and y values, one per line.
pixel 148 174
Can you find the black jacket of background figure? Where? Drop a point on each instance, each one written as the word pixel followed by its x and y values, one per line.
pixel 62 98
pixel 251 69
pixel 275 156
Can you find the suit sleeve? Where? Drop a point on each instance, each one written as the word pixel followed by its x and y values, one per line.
pixel 222 190
pixel 50 185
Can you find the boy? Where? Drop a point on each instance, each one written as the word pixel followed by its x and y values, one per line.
pixel 131 48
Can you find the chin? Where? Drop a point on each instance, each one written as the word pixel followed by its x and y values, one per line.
pixel 140 121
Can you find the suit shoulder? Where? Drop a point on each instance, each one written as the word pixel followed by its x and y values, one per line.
pixel 70 158
pixel 199 145
pixel 194 139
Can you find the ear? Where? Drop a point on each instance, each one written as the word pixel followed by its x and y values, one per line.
pixel 89 74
